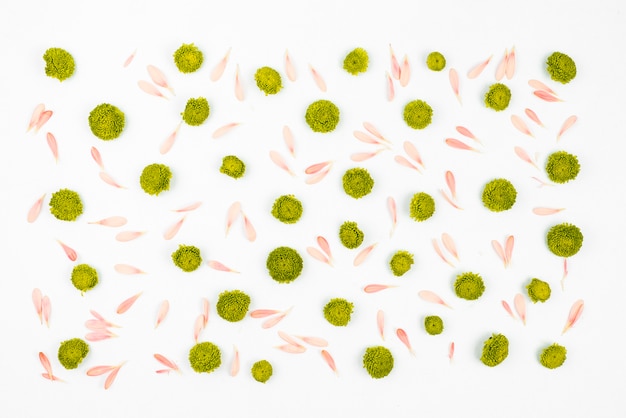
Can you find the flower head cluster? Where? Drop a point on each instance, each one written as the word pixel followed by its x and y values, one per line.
pixel 564 240
pixel 262 371
pixel 268 80
pixel 498 97
pixel 284 264
pixel 562 167
pixel 357 182
pixel 338 312
pixel 205 357
pixel 435 61
pixel 378 361
pixel 401 262
pixel 418 114
pixel 422 206
pixel 561 67
pixel 499 195
pixel 350 235
pixel 84 277
pixel 538 290
pixel 107 121
pixel 553 356
pixel 196 111
pixel 495 350
pixel 356 61
pixel 433 325
pixel 65 204
pixel 188 58
pixel 287 209
pixel 469 286
pixel 187 257
pixel 59 63
pixel 233 167
pixel 72 353
pixel 155 178
pixel 232 305
pixel 322 116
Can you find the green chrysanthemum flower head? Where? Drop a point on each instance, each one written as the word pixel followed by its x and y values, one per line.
pixel 233 305
pixel 561 67
pixel 498 97
pixel 196 111
pixel 338 312
pixel 65 205
pixel 205 357
pixel 357 182
pixel 499 195
pixel 401 262
pixel 356 61
pixel 495 350
pixel 422 206
pixel 469 286
pixel 59 63
pixel 418 114
pixel 287 209
pixel 268 80
pixel 564 240
pixel 436 61
pixel 562 167
pixel 233 167
pixel 322 116
pixel 188 58
pixel 107 121
pixel 433 325
pixel 350 235
pixel 538 290
pixel 187 258
pixel 553 356
pixel 155 178
pixel 378 361
pixel 72 353
pixel 284 264
pixel 84 277
pixel 262 371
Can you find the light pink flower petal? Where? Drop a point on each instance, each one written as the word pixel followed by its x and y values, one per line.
pixel 109 180
pixel 280 161
pixel 501 70
pixel 391 205
pixel 290 70
pixel 33 212
pixel 150 88
pixel 523 155
pixel 39 109
pixel 234 367
pixel 198 326
pixel 520 125
pixel 454 83
pixel 314 341
pixel 545 96
pixel 323 243
pixel 263 313
pixel 111 377
pixel 406 163
pixel 166 362
pixel 128 269
pixel 126 236
pixel 238 87
pixel 128 303
pixel 37 296
pixel 167 145
pixel 566 125
pixel 565 272
pixel 317 254
pixel 542 183
pixel 130 59
pixel 71 254
pixel 189 208
pixel 404 338
pixel 96 325
pixel 217 72
pixel 99 370
pixel 362 256
pixel 158 78
pixel 533 116
pixel 391 92
pixel 224 129
pixel 466 132
pixel 510 64
pixel 321 84
pixel 45 362
pixel 289 141
pixel 205 311
pixel 363 137
pixel 538 85
pixel 363 156
pixel 520 306
pixel 380 323
pixel 455 143
pixel 373 288
pixel 232 214
pixel 249 229
pixel 317 177
pixel 440 253
pixel 174 228
pixel 477 70
pixel 432 297
pixel 449 200
pixel 316 168
pixel 541 211
pixel 101 318
pixel 574 315
pixel 216 265
pixel 291 349
pixel 53 378
pixel 43 118
pixel 499 251
pixel 329 360
pixel 448 243
pixel 412 152
pixel 164 308
pixel 269 323
pixel 451 351
pixel 54 147
pixel 405 72
pixel 395 67
pixel 508 248
pixel 99 336
pixel 451 182
pixel 46 309
pixel 507 308
pixel 372 129
pixel 95 154
pixel 288 338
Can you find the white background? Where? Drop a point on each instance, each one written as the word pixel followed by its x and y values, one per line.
pixel 100 37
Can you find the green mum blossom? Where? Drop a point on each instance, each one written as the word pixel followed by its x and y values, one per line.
pixel 59 63
pixel 155 178
pixel 499 195
pixel 378 361
pixel 356 61
pixel 469 286
pixel 205 357
pixel 422 206
pixel 498 97
pixel 188 58
pixel 401 262
pixel 106 121
pixel 435 61
pixel 433 325
pixel 262 371
pixel 538 290
pixel 84 277
pixel 233 305
pixel 65 205
pixel 350 235
pixel 233 167
pixel 564 240
pixel 357 182
pixel 187 258
pixel 268 80
pixel 287 209
pixel 322 116
pixel 284 264
pixel 418 114
pixel 338 312
pixel 553 356
pixel 196 111
pixel 562 167
pixel 561 67
pixel 495 350
pixel 72 353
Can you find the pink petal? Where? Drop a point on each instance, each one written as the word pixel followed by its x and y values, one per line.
pixel 111 377
pixel 466 132
pixel 173 230
pixel 99 336
pixel 316 178
pixel 189 208
pixel 541 211
pixel 46 310
pixel 523 155
pixel 412 152
pixel 263 313
pixel 449 200
pixel 238 87
pixel 520 125
pixel 231 216
pixel 404 338
pixel 321 84
pixel 544 95
pixel 54 147
pixel 216 265
pixel 329 360
pixel 39 109
pixel 520 306
pixel 574 315
pixel 198 326
pixel 128 269
pixel 510 65
pixel 451 182
pixel 533 116
pixel 406 163
pixel 37 296
pixel 448 243
pixel 566 125
pixel 363 137
pixel 45 363
pixel 96 325
pixel 71 254
pixel 455 143
pixel 538 85
pixel 373 288
pixel 372 129
pixel 292 349
pixel 395 67
pixel 158 78
pixel 205 311
pixel 323 243
pixel 315 253
pixel 269 323
pixel 391 93
pixel 362 256
pixel 101 318
pixel 150 88
pixel 109 180
pixel 128 303
pixel 508 248
pixel 507 308
pixel 477 70
pixel 234 367
pixel 166 362
pixel 289 67
pixel 451 351
pixel 499 251
pixel 541 182
pixel 130 59
pixel 363 156
pixel 501 70
pixel 380 323
pixel 565 272
pixel 288 338
pixel 454 83
pixel 43 118
pixel 49 377
pixel 432 297
pixel 126 236
pixel 167 145
pixel 440 253
pixel 249 229
pixel 33 212
pixel 224 129
pixel 314 341
pixel 289 141
pixel 405 72
pixel 164 308
pixel 280 161
pixel 95 154
pixel 217 72
pixel 99 370
pixel 315 168
pixel 391 204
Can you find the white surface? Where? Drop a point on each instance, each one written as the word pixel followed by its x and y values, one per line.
pixel 321 33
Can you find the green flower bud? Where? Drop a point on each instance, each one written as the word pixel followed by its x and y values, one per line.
pixel 401 262
pixel 350 235
pixel 284 264
pixel 233 305
pixel 564 240
pixel 106 121
pixel 322 116
pixel 469 286
pixel 196 111
pixel 433 325
pixel 562 167
pixel 268 80
pixel 495 350
pixel 187 258
pixel 155 178
pixel 553 356
pixel 561 67
pixel 436 61
pixel 188 58
pixel 357 182
pixel 418 114
pixel 205 357
pixel 378 361
pixel 262 371
pixel 338 312
pixel 498 97
pixel 59 63
pixel 422 206
pixel 499 195
pixel 538 291
pixel 356 61
pixel 65 204
pixel 233 167
pixel 72 353
pixel 287 209
pixel 84 277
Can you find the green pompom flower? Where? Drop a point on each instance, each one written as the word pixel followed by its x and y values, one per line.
pixel 268 80
pixel 287 209
pixel 262 371
pixel 422 206
pixel 233 167
pixel 338 312
pixel 401 262
pixel 233 305
pixel 418 114
pixel 564 240
pixel 350 235
pixel 378 361
pixel 562 167
pixel 187 258
pixel 538 290
pixel 561 67
pixel 357 182
pixel 106 121
pixel 205 357
pixel 436 61
pixel 65 205
pixel 495 350
pixel 499 195
pixel 59 63
pixel 356 61
pixel 433 325
pixel 553 356
pixel 284 264
pixel 498 97
pixel 188 58
pixel 322 116
pixel 155 178
pixel 84 277
pixel 196 111
pixel 469 286
pixel 72 353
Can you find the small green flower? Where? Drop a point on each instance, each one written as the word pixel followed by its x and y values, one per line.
pixel 65 204
pixel 495 350
pixel 357 182
pixel 561 67
pixel 233 305
pixel 350 235
pixel 322 116
pixel 287 209
pixel 499 195
pixel 196 111
pixel 188 58
pixel 469 286
pixel 401 262
pixel 284 264
pixel 233 167
pixel 356 61
pixel 436 61
pixel 538 291
pixel 72 353
pixel 268 80
pixel 564 240
pixel 187 258
pixel 422 206
pixel 205 357
pixel 433 325
pixel 262 371
pixel 155 178
pixel 84 277
pixel 498 97
pixel 338 312
pixel 106 121
pixel 418 114
pixel 553 356
pixel 378 361
pixel 59 63
pixel 562 167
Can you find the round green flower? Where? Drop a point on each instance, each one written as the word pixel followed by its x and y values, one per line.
pixel 155 178
pixel 268 80
pixel 350 235
pixel 233 305
pixel 553 356
pixel 418 114
pixel 284 264
pixel 188 58
pixel 495 350
pixel 357 182
pixel 538 291
pixel 287 209
pixel 422 206
pixel 469 286
pixel 233 167
pixel 205 357
pixel 561 67
pixel 65 204
pixel 262 371
pixel 84 277
pixel 196 111
pixel 498 97
pixel 564 240
pixel 499 195
pixel 401 262
pixel 338 312
pixel 59 63
pixel 436 61
pixel 72 353
pixel 106 121
pixel 356 61
pixel 187 257
pixel 562 167
pixel 433 325
pixel 378 361
pixel 322 116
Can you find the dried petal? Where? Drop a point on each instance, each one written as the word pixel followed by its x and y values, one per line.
pixel 289 67
pixel 372 129
pixel 128 269
pixel 288 338
pixel 451 351
pixel 99 370
pixel 33 212
pixel 316 178
pixel 508 248
pixel 314 341
pixel 451 182
pixel 111 377
pixel 499 251
pixel 205 311
pixel 321 84
pixel 449 200
pixel 520 306
pixel 113 221
pixel 323 243
pixel 173 230
pixel 128 303
pixel 538 85
pixel 574 315
pixel 99 336
pixel 126 236
pixel 477 70
pixel 406 163
pixel 217 72
pixel 432 297
pixel 466 132
pixel 45 362
pixel 273 321
pixel 566 125
pixel 198 326
pixel 363 137
pixel 315 168
pixel 189 208
pixel 166 362
pixel 362 256
pixel 363 156
pixel 520 125
pixel 224 129
pixel 71 254
pixel 164 308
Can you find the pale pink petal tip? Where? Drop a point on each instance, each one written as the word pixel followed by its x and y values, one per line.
pixel 380 323
pixel 216 265
pixel 238 87
pixel 449 200
pixel 291 349
pixel 217 72
pixel 158 78
pixel 538 85
pixel 545 96
pixel 280 162
pixel 46 309
pixel 574 315
pixel 520 306
pixel 432 297
pixel 406 163
pixel 395 66
pixel 54 147
pixel 533 116
pixel 510 64
pixel 507 308
pixel 126 236
pixel 111 377
pixel 249 228
pixel 232 214
pixel 71 254
pixel 329 360
pixel 391 205
pixel 319 81
pixel 362 256
pixel 219 132
pixel 95 154
pixel 374 131
pixel 391 92
pixel 566 125
pixel 128 303
pixel 164 308
pixel 43 118
pixel 314 341
pixel 520 125
pixel 198 326
pixel 501 69
pixel 112 221
pixel 263 313
pixel 128 269
pixel 289 67
pixel 477 70
pixel 150 88
pixel 363 156
pixel 412 152
pixel 109 180
pixel 523 155
pixel 319 176
pixel 35 209
pixel 449 245
pixel 289 141
pixel 167 145
pixel 323 243
pixel 454 83
pixel 315 253
pixel 234 368
pixel 189 208
pixel 37 296
pixel 130 59
pixel 405 72
pixel 455 143
pixel 404 338
pixel 541 211
pixel 451 183
pixel 499 251
pixel 440 253
pixel 451 351
pixel 39 109
pixel 466 132
pixel 173 229
pixel 269 323
pixel 205 311
pixel 373 288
